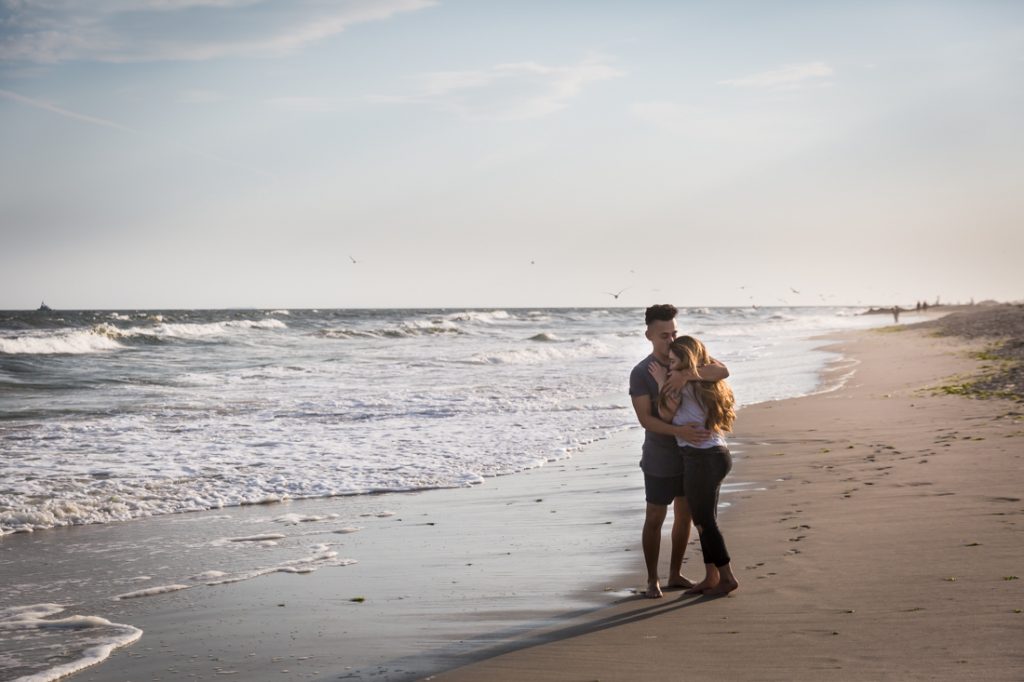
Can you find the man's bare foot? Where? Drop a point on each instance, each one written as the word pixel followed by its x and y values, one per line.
pixel 723 588
pixel 653 590
pixel 702 587
pixel 680 581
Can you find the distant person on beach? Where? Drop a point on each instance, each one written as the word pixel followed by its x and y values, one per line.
pixel 662 462
pixel 896 314
pixel 706 460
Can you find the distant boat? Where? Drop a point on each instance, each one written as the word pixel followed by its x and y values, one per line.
pixel 44 308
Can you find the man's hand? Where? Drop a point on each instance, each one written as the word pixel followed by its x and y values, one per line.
pixel 693 433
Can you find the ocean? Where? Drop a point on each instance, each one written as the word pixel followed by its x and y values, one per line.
pixel 114 415
pixel 107 417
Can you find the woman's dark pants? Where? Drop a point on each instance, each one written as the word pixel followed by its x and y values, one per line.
pixel 705 470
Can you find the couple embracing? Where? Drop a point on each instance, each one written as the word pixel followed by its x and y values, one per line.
pixel 681 399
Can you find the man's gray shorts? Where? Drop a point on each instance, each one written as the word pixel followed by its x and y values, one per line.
pixel 662 490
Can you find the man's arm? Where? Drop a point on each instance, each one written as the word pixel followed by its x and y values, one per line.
pixel 715 371
pixel 688 432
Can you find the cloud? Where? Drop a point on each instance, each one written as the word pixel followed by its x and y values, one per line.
pixel 309 105
pixel 787 78
pixel 105 123
pixel 199 96
pixel 728 134
pixel 673 118
pixel 45 106
pixel 519 90
pixel 53 31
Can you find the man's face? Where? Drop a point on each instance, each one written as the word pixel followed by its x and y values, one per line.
pixel 661 334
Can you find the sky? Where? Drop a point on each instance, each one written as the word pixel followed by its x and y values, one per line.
pixel 471 153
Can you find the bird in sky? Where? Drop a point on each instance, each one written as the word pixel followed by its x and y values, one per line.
pixel 794 290
pixel 352 259
pixel 616 295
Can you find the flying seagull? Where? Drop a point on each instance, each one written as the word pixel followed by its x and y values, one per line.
pixel 352 259
pixel 794 290
pixel 616 295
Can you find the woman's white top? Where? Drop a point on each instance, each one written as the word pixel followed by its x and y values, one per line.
pixel 691 412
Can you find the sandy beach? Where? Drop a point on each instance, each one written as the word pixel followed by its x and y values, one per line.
pixel 887 544
pixel 874 527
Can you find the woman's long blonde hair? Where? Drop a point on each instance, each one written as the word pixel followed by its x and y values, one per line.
pixel 714 396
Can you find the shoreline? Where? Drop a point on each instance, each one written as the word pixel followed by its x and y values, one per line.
pixel 885 547
pixel 442 576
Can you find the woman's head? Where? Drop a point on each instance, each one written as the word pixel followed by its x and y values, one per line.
pixel 715 397
pixel 687 352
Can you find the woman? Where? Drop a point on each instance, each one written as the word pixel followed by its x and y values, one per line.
pixel 705 464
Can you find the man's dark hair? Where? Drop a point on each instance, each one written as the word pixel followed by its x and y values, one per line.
pixel 662 311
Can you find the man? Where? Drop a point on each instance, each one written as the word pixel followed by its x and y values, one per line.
pixel 662 463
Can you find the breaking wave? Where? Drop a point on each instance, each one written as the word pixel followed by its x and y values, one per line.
pixel 109 337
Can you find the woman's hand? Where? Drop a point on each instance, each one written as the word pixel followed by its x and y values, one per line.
pixel 659 372
pixel 677 380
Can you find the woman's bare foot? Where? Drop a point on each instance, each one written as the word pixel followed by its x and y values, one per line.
pixel 653 590
pixel 702 587
pixel 711 576
pixel 723 588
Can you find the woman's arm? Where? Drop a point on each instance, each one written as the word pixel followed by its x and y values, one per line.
pixel 694 433
pixel 668 397
pixel 668 403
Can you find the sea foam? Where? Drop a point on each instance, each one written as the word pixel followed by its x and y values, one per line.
pixel 68 343
pixel 96 638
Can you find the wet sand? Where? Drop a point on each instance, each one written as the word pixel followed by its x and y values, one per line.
pixel 888 544
pixel 441 578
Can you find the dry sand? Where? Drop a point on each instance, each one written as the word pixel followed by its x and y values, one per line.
pixel 887 545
